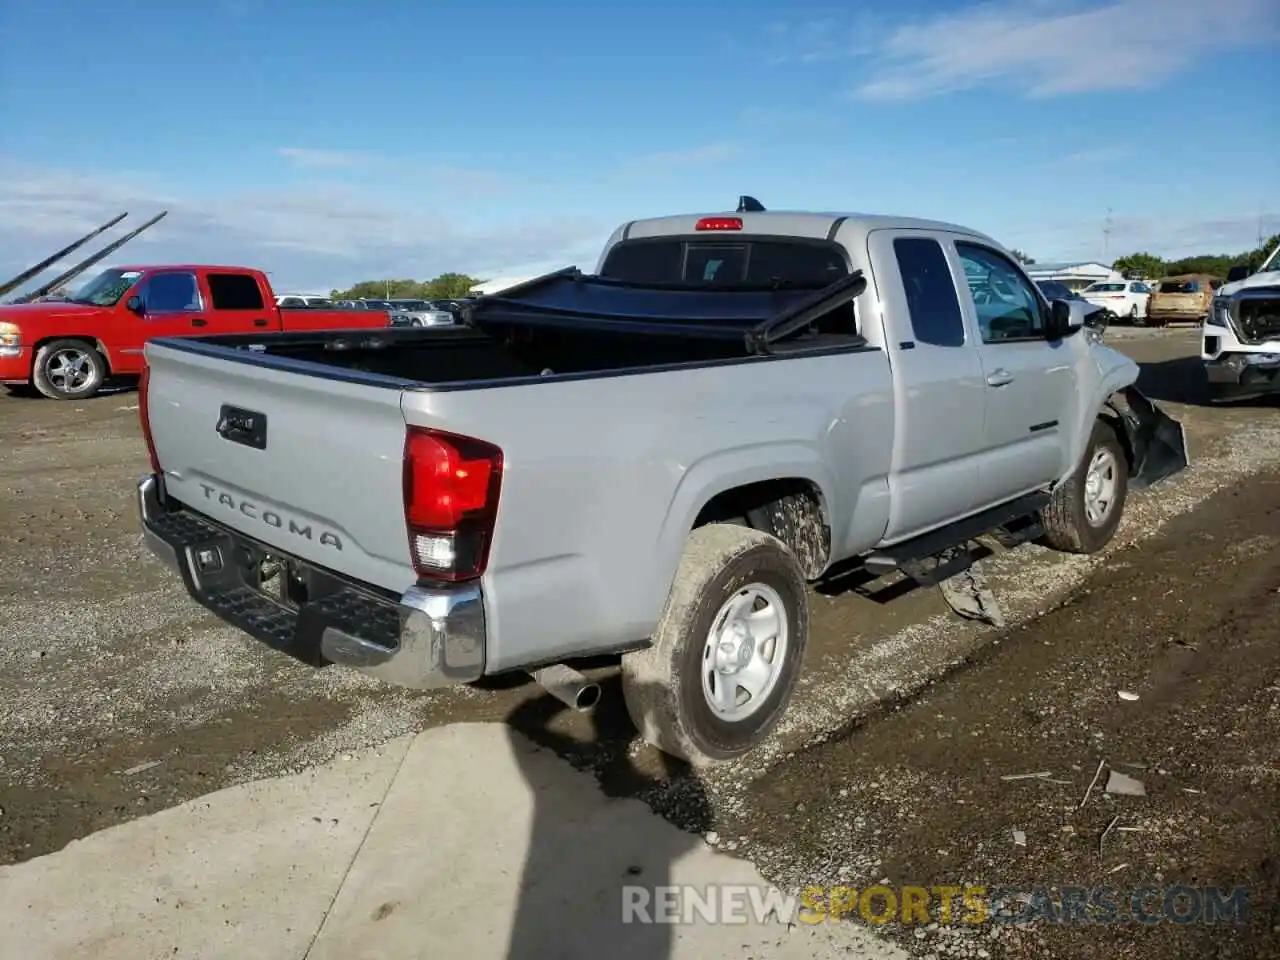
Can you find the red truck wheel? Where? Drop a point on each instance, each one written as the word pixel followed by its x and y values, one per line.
pixel 727 652
pixel 68 370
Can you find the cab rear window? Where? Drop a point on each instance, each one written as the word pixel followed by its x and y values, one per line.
pixel 720 262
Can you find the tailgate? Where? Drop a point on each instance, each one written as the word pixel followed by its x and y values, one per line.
pixel 1177 303
pixel 323 482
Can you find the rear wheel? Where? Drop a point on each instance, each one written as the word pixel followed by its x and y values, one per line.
pixel 1085 511
pixel 68 370
pixel 726 654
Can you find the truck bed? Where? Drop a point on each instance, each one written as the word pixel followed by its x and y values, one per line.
pixel 562 326
pixel 612 440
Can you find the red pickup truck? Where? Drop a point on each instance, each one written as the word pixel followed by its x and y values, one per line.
pixel 67 349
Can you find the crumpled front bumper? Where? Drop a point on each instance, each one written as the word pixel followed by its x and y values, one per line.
pixel 423 639
pixel 1157 442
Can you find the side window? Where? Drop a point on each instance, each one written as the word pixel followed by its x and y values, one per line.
pixel 1006 303
pixel 171 293
pixel 234 291
pixel 292 302
pixel 931 292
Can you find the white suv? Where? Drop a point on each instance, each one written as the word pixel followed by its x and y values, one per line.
pixel 1121 298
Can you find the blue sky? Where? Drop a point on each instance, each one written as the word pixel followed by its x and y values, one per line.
pixel 333 142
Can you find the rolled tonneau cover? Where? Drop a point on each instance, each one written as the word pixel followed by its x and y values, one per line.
pixel 568 298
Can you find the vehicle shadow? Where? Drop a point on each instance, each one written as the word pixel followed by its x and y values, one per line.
pixel 1182 380
pixel 585 848
pixel 112 388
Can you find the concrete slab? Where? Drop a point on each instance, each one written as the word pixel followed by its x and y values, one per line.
pixel 248 872
pixel 489 847
pixel 466 841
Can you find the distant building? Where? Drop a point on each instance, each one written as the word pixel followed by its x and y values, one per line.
pixel 1074 274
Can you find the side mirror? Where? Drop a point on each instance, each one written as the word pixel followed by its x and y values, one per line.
pixel 1238 272
pixel 134 305
pixel 1065 318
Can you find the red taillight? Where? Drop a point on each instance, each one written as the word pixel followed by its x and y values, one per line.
pixel 719 223
pixel 143 388
pixel 451 486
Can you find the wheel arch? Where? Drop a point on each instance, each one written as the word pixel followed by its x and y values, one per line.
pixel 791 508
pixel 733 485
pixel 88 338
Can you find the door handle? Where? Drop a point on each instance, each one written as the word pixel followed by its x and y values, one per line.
pixel 259 323
pixel 999 377
pixel 199 322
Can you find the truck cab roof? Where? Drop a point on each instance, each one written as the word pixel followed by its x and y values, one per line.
pixel 191 267
pixel 852 227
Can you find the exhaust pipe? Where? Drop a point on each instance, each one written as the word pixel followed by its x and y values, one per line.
pixel 568 686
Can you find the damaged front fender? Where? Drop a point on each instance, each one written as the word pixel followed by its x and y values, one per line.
pixel 1157 442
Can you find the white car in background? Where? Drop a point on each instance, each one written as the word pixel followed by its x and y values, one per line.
pixel 1121 298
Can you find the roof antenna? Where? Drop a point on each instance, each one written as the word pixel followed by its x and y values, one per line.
pixel 749 205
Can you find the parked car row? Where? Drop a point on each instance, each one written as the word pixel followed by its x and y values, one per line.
pixel 1187 298
pixel 403 312
pixel 411 312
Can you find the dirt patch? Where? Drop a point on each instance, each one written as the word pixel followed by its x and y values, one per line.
pixel 914 795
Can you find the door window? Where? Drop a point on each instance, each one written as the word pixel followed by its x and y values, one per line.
pixel 171 293
pixel 234 291
pixel 1005 301
pixel 931 292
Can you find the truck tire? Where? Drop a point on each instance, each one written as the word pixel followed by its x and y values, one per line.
pixel 68 370
pixel 736 622
pixel 1085 511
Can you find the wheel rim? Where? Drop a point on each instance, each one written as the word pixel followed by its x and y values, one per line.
pixel 1100 485
pixel 744 653
pixel 69 369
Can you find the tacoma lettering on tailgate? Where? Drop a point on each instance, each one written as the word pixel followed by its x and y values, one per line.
pixel 251 510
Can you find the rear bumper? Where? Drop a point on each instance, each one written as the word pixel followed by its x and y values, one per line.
pixel 1189 315
pixel 1238 376
pixel 424 639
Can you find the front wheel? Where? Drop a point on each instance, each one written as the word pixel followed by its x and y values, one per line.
pixel 1084 512
pixel 68 370
pixel 726 654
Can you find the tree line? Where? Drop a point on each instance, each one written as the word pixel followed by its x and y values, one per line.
pixel 1214 264
pixel 1153 268
pixel 447 286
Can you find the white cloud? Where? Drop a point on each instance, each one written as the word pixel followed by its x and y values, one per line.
pixel 324 159
pixel 313 236
pixel 1047 48
pixel 1091 157
pixel 705 155
pixel 457 181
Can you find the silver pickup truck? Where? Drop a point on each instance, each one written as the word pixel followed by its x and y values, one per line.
pixel 650 461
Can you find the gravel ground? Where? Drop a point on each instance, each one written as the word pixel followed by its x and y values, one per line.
pixel 106 666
